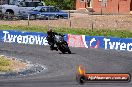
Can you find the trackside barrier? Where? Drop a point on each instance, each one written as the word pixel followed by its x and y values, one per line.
pixel 123 44
pixel 24 37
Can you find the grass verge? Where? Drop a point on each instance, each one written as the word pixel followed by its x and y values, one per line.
pixel 5 64
pixel 9 65
pixel 95 32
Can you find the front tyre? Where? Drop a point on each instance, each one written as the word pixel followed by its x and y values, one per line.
pixel 67 48
pixel 69 51
pixel 9 15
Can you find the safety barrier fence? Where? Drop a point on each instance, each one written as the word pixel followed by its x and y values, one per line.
pixel 123 44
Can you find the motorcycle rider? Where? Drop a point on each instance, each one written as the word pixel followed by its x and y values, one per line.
pixel 50 38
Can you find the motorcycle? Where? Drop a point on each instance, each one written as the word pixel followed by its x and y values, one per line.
pixel 61 44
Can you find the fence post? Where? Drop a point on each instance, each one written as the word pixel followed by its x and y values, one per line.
pixel 69 15
pixel 28 19
pixel 92 25
pixel 70 24
pixel 69 18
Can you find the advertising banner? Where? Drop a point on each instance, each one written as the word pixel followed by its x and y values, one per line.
pixel 123 44
pixel 76 41
pixel 24 37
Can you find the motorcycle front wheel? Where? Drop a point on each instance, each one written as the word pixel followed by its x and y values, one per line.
pixel 69 51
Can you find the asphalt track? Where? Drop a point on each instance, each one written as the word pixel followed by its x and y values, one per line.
pixel 61 68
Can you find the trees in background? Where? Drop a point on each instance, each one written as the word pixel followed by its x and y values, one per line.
pixel 62 4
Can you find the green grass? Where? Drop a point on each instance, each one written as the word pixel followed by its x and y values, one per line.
pixel 78 31
pixel 5 64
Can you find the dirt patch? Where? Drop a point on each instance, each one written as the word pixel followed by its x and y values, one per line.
pixel 18 65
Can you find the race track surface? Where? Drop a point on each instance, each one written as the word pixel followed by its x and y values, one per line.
pixel 61 68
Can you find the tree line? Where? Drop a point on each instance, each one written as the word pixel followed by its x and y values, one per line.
pixel 62 4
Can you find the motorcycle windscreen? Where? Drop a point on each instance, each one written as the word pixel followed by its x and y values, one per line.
pixel 58 38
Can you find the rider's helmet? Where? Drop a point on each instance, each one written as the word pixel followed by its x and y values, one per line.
pixel 50 31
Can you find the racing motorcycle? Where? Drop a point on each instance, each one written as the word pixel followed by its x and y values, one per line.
pixel 61 44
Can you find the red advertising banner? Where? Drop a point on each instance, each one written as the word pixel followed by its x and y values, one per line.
pixel 75 40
